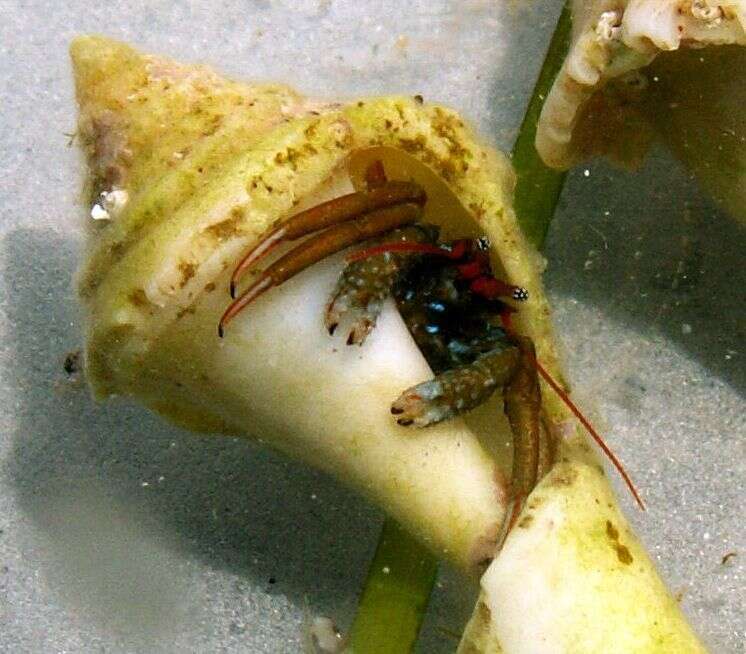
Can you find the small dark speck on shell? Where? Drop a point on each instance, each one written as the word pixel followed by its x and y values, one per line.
pixel 622 551
pixel 138 297
pixel 624 555
pixel 71 365
pixel 187 270
pixel 525 522
pixel 611 531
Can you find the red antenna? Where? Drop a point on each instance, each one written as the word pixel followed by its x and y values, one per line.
pixel 594 434
pixel 408 247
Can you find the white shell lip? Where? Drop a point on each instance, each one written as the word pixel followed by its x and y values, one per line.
pixel 614 39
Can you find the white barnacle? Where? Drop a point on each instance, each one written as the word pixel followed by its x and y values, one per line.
pixel 609 27
pixel 99 213
pixel 705 12
pixel 114 201
pixel 110 204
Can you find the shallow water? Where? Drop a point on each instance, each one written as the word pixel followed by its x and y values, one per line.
pixel 120 533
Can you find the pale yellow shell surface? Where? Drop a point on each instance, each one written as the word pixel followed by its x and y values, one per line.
pixel 155 280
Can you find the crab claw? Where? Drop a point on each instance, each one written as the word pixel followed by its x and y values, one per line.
pixel 362 309
pixel 455 391
pixel 423 405
pixel 361 290
pixel 358 299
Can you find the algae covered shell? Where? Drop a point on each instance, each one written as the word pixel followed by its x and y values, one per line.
pixel 155 279
pixel 644 69
pixel 206 165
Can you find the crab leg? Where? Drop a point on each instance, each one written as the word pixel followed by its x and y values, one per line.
pixel 332 240
pixel 462 389
pixel 364 284
pixel 455 391
pixel 522 402
pixel 339 210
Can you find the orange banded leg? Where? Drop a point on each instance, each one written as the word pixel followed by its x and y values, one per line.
pixel 382 194
pixel 522 403
pixel 335 238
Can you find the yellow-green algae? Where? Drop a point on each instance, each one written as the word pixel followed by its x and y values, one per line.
pixel 579 569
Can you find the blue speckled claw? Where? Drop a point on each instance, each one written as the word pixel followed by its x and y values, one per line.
pixel 455 391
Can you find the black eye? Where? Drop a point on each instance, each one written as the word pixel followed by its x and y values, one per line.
pixel 483 243
pixel 520 294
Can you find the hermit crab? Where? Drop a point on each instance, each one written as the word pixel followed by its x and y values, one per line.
pixel 452 304
pixel 209 168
